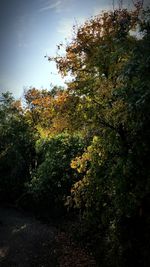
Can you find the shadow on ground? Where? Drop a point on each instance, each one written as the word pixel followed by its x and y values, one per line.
pixel 24 241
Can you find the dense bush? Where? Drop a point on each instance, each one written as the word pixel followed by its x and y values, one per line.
pixel 16 149
pixel 53 178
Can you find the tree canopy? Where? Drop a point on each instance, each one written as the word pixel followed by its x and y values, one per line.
pixel 84 149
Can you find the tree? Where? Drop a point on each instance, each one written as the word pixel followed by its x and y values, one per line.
pixel 95 58
pixel 16 148
pixel 44 110
pixel 52 179
pixel 111 82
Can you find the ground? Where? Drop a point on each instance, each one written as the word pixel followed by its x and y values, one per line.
pixel 27 242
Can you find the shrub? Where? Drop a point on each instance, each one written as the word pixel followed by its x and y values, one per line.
pixel 53 178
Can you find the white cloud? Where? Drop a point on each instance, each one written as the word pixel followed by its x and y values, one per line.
pixel 97 10
pixel 49 6
pixel 65 26
pixel 20 30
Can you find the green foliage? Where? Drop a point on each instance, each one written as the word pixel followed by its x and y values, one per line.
pixel 16 149
pixel 103 171
pixel 113 194
pixel 54 177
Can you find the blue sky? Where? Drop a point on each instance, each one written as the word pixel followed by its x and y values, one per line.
pixel 30 29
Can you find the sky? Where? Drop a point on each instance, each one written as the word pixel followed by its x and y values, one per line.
pixel 31 29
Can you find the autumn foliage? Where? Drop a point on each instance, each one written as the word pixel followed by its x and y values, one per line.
pixel 90 143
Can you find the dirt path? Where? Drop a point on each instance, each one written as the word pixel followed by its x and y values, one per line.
pixel 26 242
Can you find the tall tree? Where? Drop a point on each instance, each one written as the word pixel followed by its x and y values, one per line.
pixel 111 82
pixel 16 148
